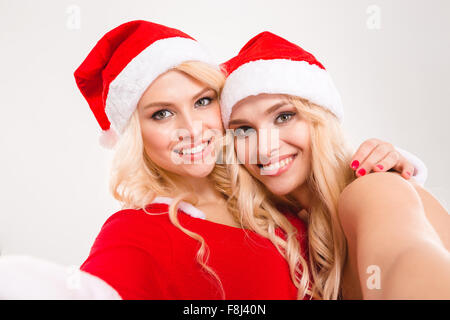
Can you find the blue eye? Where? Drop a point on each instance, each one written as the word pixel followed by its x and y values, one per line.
pixel 244 131
pixel 284 117
pixel 161 114
pixel 203 102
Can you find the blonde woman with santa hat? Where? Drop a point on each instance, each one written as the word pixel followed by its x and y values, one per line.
pixel 375 237
pixel 162 95
pixel 181 233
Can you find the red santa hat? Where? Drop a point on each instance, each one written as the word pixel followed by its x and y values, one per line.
pixel 271 64
pixel 124 63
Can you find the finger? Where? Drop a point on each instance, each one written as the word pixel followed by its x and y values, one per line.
pixel 408 171
pixel 371 162
pixel 391 160
pixel 363 152
pixel 404 166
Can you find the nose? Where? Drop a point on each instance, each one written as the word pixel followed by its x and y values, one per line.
pixel 268 144
pixel 190 127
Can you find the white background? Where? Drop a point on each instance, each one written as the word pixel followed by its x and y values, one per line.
pixel 389 59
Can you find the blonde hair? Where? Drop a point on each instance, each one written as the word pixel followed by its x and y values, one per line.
pixel 258 213
pixel 329 175
pixel 136 180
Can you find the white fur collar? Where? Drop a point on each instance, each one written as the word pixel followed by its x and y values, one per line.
pixel 184 206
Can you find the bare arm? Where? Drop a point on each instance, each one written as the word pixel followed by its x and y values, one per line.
pixel 388 233
pixel 435 213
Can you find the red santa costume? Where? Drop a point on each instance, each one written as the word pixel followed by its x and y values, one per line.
pixel 145 256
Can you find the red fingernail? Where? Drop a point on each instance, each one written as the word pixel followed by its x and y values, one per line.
pixel 379 166
pixel 408 173
pixel 362 172
pixel 355 164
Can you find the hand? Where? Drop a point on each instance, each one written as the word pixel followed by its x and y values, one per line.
pixel 374 155
pixel 28 278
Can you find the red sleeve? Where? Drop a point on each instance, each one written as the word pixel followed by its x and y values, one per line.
pixel 132 253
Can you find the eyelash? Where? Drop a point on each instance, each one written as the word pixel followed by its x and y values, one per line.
pixel 290 114
pixel 245 128
pixel 209 98
pixel 155 115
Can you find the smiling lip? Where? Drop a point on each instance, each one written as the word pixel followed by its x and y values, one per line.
pixel 275 160
pixel 278 171
pixel 198 155
pixel 191 146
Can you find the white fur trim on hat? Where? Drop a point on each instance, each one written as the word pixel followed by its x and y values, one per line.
pixel 280 76
pixel 183 206
pixel 127 88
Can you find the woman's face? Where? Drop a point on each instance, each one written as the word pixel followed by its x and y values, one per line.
pixel 272 140
pixel 180 122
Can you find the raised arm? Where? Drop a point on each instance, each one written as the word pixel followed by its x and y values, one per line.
pixel 29 278
pixel 374 155
pixel 390 236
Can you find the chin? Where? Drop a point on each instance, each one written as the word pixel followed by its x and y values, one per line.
pixel 199 170
pixel 283 185
pixel 279 190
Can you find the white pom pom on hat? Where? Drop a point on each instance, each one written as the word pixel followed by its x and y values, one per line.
pixel 108 138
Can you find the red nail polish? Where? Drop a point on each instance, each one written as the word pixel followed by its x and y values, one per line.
pixel 408 173
pixel 379 166
pixel 355 164
pixel 362 172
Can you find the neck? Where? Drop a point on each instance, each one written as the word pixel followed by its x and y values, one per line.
pixel 203 188
pixel 303 196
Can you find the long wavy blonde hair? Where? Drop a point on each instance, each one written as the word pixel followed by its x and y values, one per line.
pixel 136 180
pixel 329 175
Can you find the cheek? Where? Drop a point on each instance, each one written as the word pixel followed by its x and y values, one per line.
pixel 156 139
pixel 298 136
pixel 212 118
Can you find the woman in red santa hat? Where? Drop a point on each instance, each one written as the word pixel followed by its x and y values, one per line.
pixel 157 89
pixel 160 91
pixel 376 237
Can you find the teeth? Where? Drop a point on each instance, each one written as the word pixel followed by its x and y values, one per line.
pixel 195 150
pixel 277 165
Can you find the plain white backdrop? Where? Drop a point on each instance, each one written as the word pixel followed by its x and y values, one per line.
pixel 388 58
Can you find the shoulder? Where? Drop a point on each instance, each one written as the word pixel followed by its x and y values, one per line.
pixel 154 215
pixel 377 191
pixel 136 227
pixel 380 183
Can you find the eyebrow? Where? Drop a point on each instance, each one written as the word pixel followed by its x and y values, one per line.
pixel 275 107
pixel 268 111
pixel 158 104
pixel 168 104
